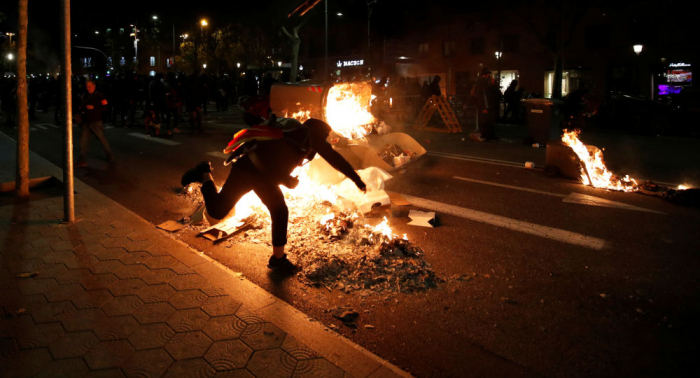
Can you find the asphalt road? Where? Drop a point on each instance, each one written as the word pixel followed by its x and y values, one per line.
pixel 556 289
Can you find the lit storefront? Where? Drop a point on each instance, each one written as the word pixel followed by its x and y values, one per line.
pixel 672 79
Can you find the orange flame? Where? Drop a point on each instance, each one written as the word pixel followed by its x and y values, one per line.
pixel 347 109
pixel 301 116
pixel 594 172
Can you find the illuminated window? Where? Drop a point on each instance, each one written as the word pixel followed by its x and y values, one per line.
pixel 153 61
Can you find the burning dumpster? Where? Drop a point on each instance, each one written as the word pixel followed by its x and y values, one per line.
pixel 346 108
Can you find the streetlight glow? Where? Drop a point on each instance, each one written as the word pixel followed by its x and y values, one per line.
pixel 279 64
pixel 204 23
pixel 339 13
pixel 204 66
pixel 498 54
pixel 637 49
pixel 97 32
pixel 238 65
pixel 10 56
pixel 155 17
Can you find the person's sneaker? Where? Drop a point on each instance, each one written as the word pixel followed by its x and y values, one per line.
pixel 195 174
pixel 282 264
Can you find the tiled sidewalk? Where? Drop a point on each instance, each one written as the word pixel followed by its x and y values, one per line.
pixel 112 296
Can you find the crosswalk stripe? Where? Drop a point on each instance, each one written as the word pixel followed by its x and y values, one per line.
pixel 156 139
pixel 510 223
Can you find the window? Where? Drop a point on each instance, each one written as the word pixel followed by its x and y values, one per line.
pixel 478 45
pixel 448 48
pixel 511 43
pixel 423 49
pixel 153 61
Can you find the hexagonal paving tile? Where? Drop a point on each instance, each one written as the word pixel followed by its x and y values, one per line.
pixel 238 373
pixel 161 262
pixel 263 336
pixel 187 320
pixel 91 245
pixel 33 286
pixel 72 367
pixel 220 306
pixel 108 354
pixel 228 355
pixel 122 305
pixel 97 281
pixel 272 363
pixel 121 232
pixel 188 299
pixel 51 312
pixel 151 336
pixel 115 328
pixel 83 320
pixel 190 368
pixel 40 335
pixel 114 242
pixel 7 347
pixel 156 293
pixel 25 363
pixel 57 257
pixel 147 363
pixel 131 271
pixel 72 276
pixel 158 276
pixel 297 349
pixel 101 267
pixel 188 345
pixel 129 286
pixel 318 367
pixel 65 293
pixel 154 312
pixel 73 344
pixel 140 245
pixel 110 253
pixel 224 328
pixel 65 245
pixel 134 258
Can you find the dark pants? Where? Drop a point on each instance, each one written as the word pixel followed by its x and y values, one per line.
pixel 487 124
pixel 87 129
pixel 243 178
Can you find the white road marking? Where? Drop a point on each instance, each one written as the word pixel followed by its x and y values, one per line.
pixel 218 154
pixel 578 198
pixel 510 187
pixel 41 127
pixel 595 201
pixel 155 139
pixel 107 127
pixel 480 160
pixel 513 224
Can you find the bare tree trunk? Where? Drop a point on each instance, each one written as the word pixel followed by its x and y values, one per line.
pixel 558 76
pixel 22 178
pixel 296 42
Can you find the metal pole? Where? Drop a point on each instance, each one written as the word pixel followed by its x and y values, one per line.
pixel 326 60
pixel 67 106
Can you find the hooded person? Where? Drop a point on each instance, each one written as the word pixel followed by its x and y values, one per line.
pixel 266 164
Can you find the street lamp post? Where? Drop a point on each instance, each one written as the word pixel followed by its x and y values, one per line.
pixel 637 50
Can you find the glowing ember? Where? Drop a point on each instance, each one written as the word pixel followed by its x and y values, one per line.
pixel 347 109
pixel 594 172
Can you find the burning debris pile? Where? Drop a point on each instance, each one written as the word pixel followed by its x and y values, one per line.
pixel 593 169
pixel 337 250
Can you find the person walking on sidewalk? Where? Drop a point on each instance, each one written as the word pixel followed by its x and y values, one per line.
pixel 93 107
pixel 263 168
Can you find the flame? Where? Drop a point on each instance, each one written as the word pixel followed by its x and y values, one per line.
pixel 595 168
pixel 347 109
pixel 301 116
pixel 684 186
